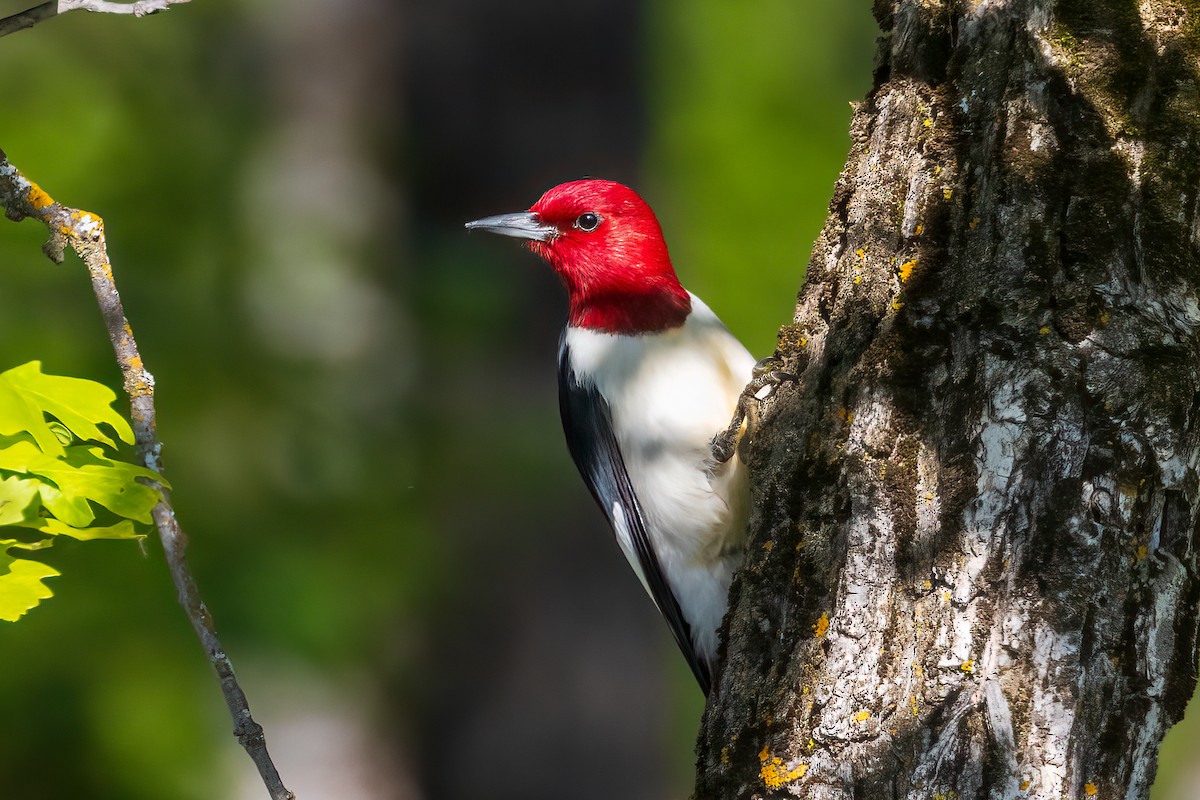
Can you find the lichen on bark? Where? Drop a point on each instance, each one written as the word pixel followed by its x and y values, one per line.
pixel 972 570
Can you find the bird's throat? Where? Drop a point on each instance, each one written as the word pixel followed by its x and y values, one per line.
pixel 628 312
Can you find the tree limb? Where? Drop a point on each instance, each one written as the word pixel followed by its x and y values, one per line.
pixel 83 232
pixel 53 8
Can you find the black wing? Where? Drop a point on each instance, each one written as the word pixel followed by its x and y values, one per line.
pixel 587 424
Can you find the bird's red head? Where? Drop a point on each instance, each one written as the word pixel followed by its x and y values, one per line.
pixel 606 245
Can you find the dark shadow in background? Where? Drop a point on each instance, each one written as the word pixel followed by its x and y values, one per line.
pixel 544 675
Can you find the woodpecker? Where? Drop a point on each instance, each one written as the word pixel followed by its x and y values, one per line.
pixel 647 376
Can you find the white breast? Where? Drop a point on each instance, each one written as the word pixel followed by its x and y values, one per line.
pixel 669 393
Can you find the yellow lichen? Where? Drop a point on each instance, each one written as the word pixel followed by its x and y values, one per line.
pixel 768 546
pixel 968 666
pixel 1090 789
pixel 920 228
pixel 857 279
pixel 1043 330
pixel 928 123
pixel 1025 784
pixel 973 223
pixel 822 625
pixel 38 198
pixel 773 772
pixel 1141 552
pixel 861 252
pixel 912 699
pixel 897 305
pixel 862 716
pixel 906 269
pixel 725 755
pixel 947 194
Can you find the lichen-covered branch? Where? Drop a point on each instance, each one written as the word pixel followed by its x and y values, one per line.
pixel 83 232
pixel 53 8
pixel 974 569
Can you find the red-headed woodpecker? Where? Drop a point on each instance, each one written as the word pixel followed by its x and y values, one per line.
pixel 647 377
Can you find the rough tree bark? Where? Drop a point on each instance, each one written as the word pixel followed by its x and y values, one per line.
pixel 972 570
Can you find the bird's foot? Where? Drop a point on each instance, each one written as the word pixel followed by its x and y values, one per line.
pixel 724 444
pixel 766 378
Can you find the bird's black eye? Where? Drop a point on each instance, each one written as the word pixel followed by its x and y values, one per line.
pixel 588 221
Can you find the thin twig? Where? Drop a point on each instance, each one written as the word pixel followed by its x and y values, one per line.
pixel 53 8
pixel 28 18
pixel 83 232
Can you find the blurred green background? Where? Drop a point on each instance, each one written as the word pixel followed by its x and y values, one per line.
pixel 358 400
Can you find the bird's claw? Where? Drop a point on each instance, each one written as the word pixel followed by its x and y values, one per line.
pixel 769 382
pixel 765 365
pixel 724 444
pixel 767 378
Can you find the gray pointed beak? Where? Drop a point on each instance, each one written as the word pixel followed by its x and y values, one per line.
pixel 523 225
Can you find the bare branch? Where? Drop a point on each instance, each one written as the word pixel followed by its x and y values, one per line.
pixel 28 18
pixel 83 232
pixel 139 8
pixel 53 8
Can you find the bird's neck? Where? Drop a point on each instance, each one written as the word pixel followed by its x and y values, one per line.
pixel 627 287
pixel 650 309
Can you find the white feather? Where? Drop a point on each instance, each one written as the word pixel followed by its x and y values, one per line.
pixel 669 393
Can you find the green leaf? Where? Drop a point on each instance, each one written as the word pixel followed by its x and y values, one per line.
pixel 18 414
pixel 80 405
pixel 17 450
pixel 21 586
pixel 86 474
pixel 121 530
pixel 73 509
pixel 17 497
pixel 64 436
pixel 52 486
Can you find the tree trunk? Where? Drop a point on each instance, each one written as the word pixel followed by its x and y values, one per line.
pixel 971 571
